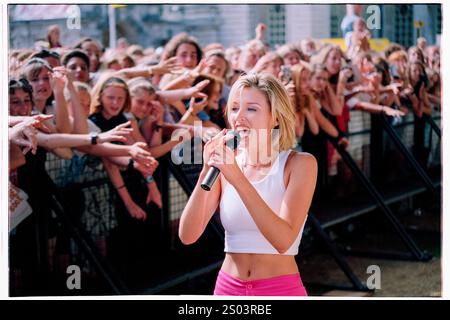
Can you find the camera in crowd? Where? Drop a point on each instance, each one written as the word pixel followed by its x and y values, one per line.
pixel 287 74
pixel 348 66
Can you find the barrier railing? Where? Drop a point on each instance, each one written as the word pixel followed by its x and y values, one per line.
pixel 176 187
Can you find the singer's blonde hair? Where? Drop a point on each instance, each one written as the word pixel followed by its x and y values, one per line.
pixel 280 105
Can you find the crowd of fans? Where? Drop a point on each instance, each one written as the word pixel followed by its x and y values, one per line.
pixel 129 106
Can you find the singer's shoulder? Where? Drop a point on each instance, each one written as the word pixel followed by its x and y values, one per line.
pixel 298 156
pixel 301 162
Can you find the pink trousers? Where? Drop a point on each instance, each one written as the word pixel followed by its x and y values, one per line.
pixel 286 285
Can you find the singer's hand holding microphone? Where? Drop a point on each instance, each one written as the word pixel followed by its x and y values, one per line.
pixel 219 158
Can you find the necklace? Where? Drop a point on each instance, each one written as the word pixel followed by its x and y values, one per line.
pixel 258 165
pixel 256 172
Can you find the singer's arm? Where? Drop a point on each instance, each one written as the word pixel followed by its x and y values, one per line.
pixel 199 210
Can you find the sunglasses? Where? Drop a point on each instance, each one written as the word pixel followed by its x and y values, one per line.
pixel 44 53
pixel 22 83
pixel 41 61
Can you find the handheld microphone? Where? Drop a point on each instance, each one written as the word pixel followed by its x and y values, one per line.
pixel 213 172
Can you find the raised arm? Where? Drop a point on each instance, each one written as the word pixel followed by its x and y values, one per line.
pixel 58 80
pixel 80 124
pixel 186 79
pixel 311 119
pixel 51 141
pixel 163 67
pixel 161 149
pixel 136 151
pixel 336 101
pixel 377 108
pixel 324 123
pixel 170 96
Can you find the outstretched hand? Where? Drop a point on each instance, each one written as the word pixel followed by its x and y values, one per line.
pixel 24 133
pixel 118 133
pixel 39 120
pixel 393 112
pixel 196 91
pixel 194 73
pixel 139 153
pixel 170 65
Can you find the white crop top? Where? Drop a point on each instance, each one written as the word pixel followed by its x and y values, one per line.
pixel 241 233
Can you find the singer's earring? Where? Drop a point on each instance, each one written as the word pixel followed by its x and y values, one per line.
pixel 277 126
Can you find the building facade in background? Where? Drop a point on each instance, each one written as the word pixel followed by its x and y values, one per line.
pixel 230 24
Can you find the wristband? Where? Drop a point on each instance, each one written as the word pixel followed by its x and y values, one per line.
pixel 94 138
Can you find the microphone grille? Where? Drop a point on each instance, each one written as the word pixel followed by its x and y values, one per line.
pixel 234 142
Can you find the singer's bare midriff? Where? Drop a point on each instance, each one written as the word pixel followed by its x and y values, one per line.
pixel 251 266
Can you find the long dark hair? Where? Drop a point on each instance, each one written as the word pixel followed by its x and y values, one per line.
pixel 172 46
pixel 423 77
pixel 20 84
